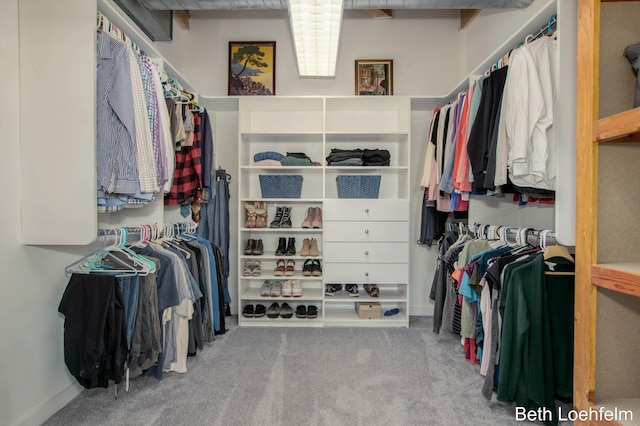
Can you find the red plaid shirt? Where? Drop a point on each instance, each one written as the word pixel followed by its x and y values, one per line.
pixel 187 176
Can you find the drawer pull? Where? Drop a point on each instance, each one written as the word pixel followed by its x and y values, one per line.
pixel 366 253
pixel 366 274
pixel 366 210
pixel 366 231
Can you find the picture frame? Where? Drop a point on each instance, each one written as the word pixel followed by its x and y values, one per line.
pixel 252 68
pixel 374 77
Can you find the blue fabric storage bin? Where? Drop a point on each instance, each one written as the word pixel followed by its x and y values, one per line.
pixel 358 186
pixel 281 186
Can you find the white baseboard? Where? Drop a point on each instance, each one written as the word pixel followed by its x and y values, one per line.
pixel 47 409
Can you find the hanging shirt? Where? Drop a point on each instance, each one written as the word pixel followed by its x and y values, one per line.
pixel 116 160
pixel 530 138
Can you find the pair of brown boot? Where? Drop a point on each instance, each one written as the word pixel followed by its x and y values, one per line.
pixel 309 247
pixel 313 218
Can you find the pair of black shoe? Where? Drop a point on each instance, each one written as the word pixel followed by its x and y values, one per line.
pixel 308 312
pixel 286 248
pixel 351 289
pixel 282 218
pixel 250 312
pixel 312 267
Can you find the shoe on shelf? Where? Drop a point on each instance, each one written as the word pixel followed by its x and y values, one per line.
pixel 352 290
pixel 248 311
pixel 372 290
pixel 332 289
pixel 248 250
pixel 273 311
pixel 265 289
pixel 316 268
pixel 275 223
pixel 290 268
pixel 308 219
pixel 291 247
pixel 313 248
pixel 256 271
pixel 286 288
pixel 248 268
pixel 258 248
pixel 306 245
pixel 251 214
pixel 391 312
pixel 307 267
pixel 276 289
pixel 282 246
pixel 286 218
pixel 280 268
pixel 301 311
pixel 261 214
pixel 316 222
pixel 286 311
pixel 296 288
pixel 312 312
pixel 260 311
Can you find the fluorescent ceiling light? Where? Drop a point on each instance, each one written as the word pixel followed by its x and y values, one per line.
pixel 315 25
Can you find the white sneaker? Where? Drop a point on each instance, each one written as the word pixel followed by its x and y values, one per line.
pixel 265 290
pixel 286 289
pixel 296 288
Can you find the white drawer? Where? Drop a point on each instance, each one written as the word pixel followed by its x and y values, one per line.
pixel 362 273
pixel 366 231
pixel 366 252
pixel 366 209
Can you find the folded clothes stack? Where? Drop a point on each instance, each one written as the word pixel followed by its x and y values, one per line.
pixel 358 157
pixel 296 159
pixel 267 158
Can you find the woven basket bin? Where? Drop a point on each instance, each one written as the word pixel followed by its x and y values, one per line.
pixel 281 186
pixel 358 186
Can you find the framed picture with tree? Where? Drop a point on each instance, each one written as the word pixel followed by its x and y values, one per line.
pixel 252 68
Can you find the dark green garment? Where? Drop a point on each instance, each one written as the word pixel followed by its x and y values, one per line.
pixel 526 359
pixel 560 294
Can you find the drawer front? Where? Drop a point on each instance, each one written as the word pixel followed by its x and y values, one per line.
pixel 366 252
pixel 362 273
pixel 366 231
pixel 366 209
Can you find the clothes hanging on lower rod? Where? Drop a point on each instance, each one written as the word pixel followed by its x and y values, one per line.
pixel 499 283
pixel 163 314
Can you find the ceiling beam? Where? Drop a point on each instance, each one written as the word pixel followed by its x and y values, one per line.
pixel 466 16
pixel 379 13
pixel 182 18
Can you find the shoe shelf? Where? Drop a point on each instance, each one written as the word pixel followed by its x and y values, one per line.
pixel 375 253
pixel 345 315
pixel 386 296
pixel 284 230
pixel 309 294
pixel 282 322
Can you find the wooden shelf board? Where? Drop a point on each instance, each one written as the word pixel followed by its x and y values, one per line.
pixel 618 127
pixel 620 277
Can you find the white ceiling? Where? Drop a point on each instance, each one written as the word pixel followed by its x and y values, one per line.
pixel 348 4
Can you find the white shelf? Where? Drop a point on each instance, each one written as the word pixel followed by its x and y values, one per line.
pixel 281 322
pixel 315 125
pixel 311 294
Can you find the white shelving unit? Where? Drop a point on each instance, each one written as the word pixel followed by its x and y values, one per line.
pixel 363 241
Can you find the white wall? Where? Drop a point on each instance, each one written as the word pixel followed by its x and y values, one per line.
pixel 34 381
pixel 423 44
pixel 426 49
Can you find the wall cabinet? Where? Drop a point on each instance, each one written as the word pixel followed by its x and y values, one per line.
pixel 361 241
pixel 607 373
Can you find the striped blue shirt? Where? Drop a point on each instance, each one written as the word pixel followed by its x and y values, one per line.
pixel 116 150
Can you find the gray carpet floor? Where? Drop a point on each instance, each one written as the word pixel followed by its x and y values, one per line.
pixel 306 376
